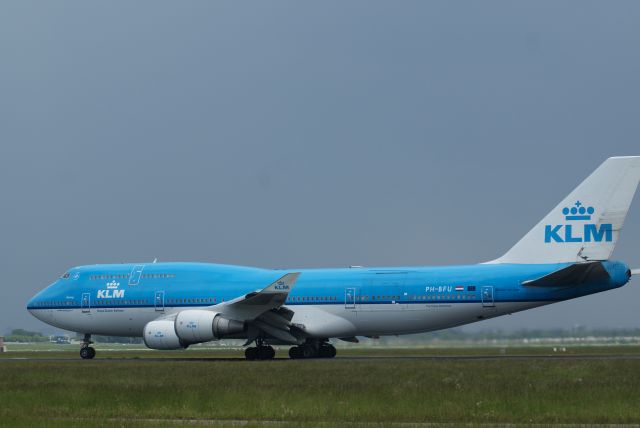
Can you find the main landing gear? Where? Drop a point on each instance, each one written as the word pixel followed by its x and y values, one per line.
pixel 86 351
pixel 310 349
pixel 260 352
pixel 317 349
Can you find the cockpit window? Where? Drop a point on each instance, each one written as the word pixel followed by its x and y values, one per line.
pixel 65 276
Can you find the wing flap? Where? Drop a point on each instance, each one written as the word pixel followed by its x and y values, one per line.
pixel 282 335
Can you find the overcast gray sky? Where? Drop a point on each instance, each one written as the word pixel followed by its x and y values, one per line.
pixel 307 134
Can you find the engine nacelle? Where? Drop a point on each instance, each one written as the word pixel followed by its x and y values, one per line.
pixel 196 325
pixel 161 334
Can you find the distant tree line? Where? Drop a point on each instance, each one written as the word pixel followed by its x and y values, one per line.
pixel 26 336
pixel 113 339
pixel 21 335
pixel 455 334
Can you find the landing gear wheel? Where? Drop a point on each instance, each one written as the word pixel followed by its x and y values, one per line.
pixel 307 351
pixel 271 352
pixel 251 353
pixel 327 351
pixel 332 351
pixel 87 353
pixel 294 353
pixel 260 353
pixel 266 352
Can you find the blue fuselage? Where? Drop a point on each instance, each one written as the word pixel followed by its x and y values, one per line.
pixel 486 290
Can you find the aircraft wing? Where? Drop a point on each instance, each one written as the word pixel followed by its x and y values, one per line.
pixel 256 303
pixel 575 274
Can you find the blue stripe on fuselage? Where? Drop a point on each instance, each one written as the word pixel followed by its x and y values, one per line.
pixel 188 284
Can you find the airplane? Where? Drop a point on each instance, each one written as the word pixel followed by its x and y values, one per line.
pixel 175 305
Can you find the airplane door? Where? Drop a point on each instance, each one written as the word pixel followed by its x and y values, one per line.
pixel 136 273
pixel 85 302
pixel 487 296
pixel 350 298
pixel 159 301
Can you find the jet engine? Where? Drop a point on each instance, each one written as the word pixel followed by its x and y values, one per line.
pixel 196 325
pixel 161 334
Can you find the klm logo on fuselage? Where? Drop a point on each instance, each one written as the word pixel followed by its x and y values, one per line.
pixel 111 292
pixel 585 232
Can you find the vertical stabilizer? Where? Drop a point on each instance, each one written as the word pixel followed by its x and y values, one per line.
pixel 586 225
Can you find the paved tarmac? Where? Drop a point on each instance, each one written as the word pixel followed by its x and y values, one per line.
pixel 105 359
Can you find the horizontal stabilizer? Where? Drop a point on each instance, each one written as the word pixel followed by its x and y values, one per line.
pixel 575 274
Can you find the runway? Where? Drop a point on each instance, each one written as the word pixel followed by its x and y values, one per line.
pixel 239 359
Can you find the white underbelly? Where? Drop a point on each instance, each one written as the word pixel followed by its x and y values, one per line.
pixel 103 321
pixel 319 321
pixel 391 319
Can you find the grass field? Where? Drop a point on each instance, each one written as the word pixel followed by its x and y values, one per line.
pixel 125 388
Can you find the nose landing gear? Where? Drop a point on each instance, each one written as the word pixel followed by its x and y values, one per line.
pixel 86 351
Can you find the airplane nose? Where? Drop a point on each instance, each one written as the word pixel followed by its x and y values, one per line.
pixel 32 306
pixel 31 303
pixel 35 314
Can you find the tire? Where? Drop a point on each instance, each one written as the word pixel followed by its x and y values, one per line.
pixel 251 353
pixel 323 352
pixel 266 353
pixel 327 351
pixel 271 352
pixel 86 353
pixel 263 353
pixel 294 352
pixel 308 352
pixel 332 351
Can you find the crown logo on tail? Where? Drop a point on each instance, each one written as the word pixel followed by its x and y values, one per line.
pixel 578 212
